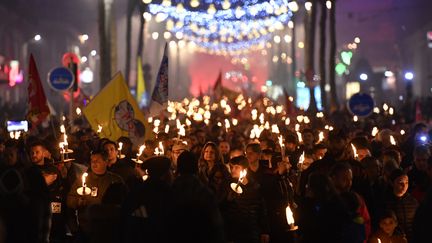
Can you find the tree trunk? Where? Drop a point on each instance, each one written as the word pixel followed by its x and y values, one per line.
pixel 310 56
pixel 293 86
pixel 129 14
pixel 104 41
pixel 322 53
pixel 334 103
pixel 113 42
pixel 141 32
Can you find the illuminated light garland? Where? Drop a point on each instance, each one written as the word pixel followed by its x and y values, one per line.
pixel 226 4
pixel 259 10
pixel 194 3
pixel 223 27
pixel 232 47
pixel 215 30
pixel 249 8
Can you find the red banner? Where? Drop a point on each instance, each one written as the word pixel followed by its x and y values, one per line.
pixel 38 107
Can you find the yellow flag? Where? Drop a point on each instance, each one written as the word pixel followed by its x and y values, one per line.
pixel 113 112
pixel 140 81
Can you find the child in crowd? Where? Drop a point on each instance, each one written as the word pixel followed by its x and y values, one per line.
pixel 386 232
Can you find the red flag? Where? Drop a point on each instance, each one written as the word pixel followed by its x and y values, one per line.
pixel 218 88
pixel 38 108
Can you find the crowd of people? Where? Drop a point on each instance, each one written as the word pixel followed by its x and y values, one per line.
pixel 344 180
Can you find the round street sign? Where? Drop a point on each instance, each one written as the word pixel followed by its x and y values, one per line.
pixel 60 79
pixel 361 104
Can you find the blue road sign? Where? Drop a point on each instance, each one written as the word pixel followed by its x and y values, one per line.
pixel 61 79
pixel 361 104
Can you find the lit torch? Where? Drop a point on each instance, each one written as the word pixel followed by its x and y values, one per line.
pixel 392 140
pixel 62 151
pixel 301 161
pixel 374 131
pixel 99 129
pixel 290 219
pixel 354 149
pixel 140 151
pixel 282 146
pixel 84 190
pixel 320 137
pixel 120 147
pixel 236 186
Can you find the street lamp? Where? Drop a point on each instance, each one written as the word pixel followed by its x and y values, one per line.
pixel 37 37
pixel 293 6
pixel 83 38
pixel 25 46
pixel 363 76
pixel 409 76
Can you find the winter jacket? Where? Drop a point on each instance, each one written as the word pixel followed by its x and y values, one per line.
pixel 99 184
pixel 405 208
pixel 245 214
pixel 193 215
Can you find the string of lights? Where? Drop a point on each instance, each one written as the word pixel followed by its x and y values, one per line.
pixel 225 26
pixel 231 31
pixel 245 12
pixel 254 44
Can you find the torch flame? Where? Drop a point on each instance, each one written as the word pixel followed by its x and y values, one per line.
pixel 302 158
pixel 188 122
pixel 275 129
pixel 320 137
pixel 243 174
pixel 161 149
pixel 354 149
pixel 261 118
pixel 392 140
pixel 280 138
pixel 141 150
pixel 65 139
pixel 83 178
pixel 99 129
pixel 289 215
pixel 227 123
pixel 234 122
pixel 374 131
pixel 182 131
pixel 300 138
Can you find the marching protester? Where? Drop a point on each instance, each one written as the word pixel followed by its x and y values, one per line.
pixel 86 199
